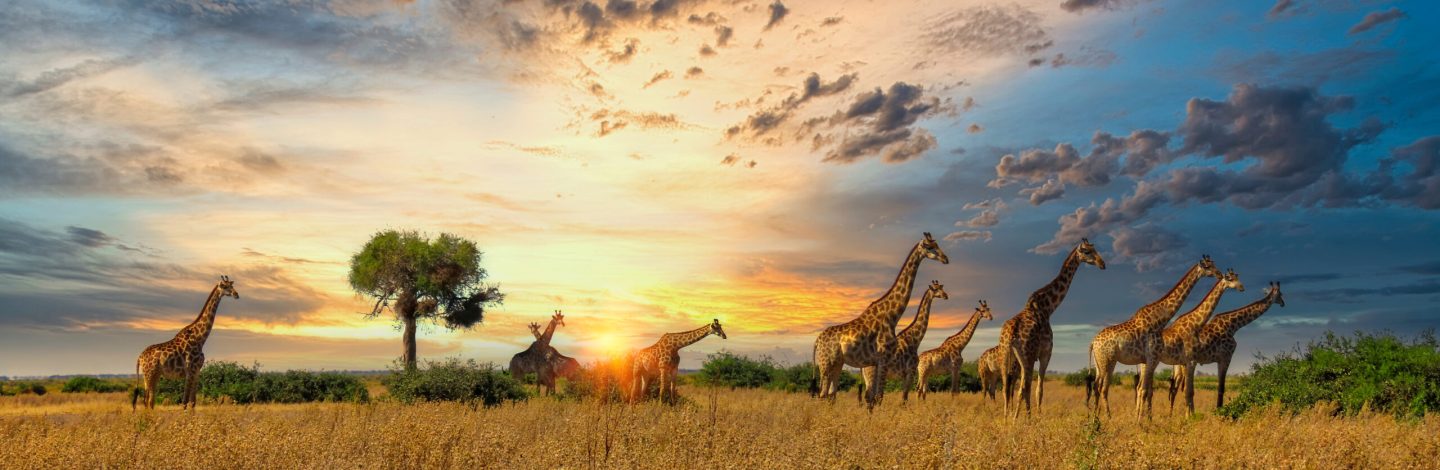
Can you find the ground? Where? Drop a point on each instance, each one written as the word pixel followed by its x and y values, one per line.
pixel 713 428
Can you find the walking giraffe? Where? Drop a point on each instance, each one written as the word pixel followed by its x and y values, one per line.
pixel 1216 341
pixel 864 341
pixel 662 360
pixel 901 361
pixel 1178 340
pixel 536 358
pixel 1027 338
pixel 183 355
pixel 1134 341
pixel 947 357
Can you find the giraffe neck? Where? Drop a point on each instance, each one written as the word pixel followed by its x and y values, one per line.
pixel 1159 312
pixel 899 293
pixel 676 341
pixel 913 334
pixel 962 337
pixel 544 339
pixel 1229 322
pixel 1190 322
pixel 1057 288
pixel 199 330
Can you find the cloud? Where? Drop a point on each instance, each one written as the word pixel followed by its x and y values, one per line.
pixel 1086 57
pixel 988 30
pixel 626 52
pixel 974 128
pixel 1279 9
pixel 964 235
pixel 1302 68
pixel 885 119
pixel 1376 18
pixel 55 78
pixel 1149 246
pixel 657 78
pixel 611 120
pixel 112 169
pixel 831 21
pixel 693 72
pixel 730 160
pixel 989 215
pixel 778 11
pixel 723 34
pixel 770 119
pixel 1052 189
pixel 1080 6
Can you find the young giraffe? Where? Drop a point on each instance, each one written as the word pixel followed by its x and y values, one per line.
pixel 864 341
pixel 904 357
pixel 536 359
pixel 560 364
pixel 1216 342
pixel 1176 341
pixel 662 360
pixel 947 357
pixel 1027 338
pixel 182 356
pixel 1134 341
pixel 987 367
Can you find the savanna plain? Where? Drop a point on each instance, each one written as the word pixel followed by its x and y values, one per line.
pixel 709 428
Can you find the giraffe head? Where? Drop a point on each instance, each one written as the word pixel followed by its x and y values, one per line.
pixel 983 311
pixel 938 291
pixel 1207 268
pixel 227 287
pixel 716 330
pixel 1232 281
pixel 535 329
pixel 558 318
pixel 1088 254
pixel 1274 293
pixel 931 249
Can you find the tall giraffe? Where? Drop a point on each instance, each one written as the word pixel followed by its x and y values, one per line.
pixel 662 360
pixel 1134 341
pixel 183 355
pixel 1216 342
pixel 1027 338
pixel 560 364
pixel 1179 338
pixel 901 361
pixel 536 358
pixel 864 341
pixel 947 357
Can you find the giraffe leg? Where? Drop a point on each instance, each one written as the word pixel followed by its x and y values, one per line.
pixel 871 379
pixel 1040 379
pixel 152 381
pixel 1189 386
pixel 1176 382
pixel 1104 370
pixel 1221 367
pixel 1143 386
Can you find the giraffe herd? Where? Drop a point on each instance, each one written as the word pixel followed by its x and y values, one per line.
pixel 869 342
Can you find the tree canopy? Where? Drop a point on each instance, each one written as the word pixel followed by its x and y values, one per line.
pixel 439 279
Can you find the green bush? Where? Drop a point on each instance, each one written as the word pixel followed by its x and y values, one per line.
pixel 453 380
pixel 238 384
pixel 729 370
pixel 969 380
pixel 87 384
pixel 20 388
pixel 1379 372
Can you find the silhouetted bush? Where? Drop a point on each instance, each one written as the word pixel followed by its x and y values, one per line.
pixel 1379 372
pixel 453 380
pixel 87 384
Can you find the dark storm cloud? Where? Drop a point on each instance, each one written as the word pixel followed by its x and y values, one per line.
pixel 1376 18
pixel 988 30
pixel 778 11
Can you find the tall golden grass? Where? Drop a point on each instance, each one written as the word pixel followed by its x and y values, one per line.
pixel 711 428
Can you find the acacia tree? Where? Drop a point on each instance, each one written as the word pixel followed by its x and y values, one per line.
pixel 416 277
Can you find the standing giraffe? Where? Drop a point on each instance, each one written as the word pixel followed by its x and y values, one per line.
pixel 1178 339
pixel 536 358
pixel 183 355
pixel 864 341
pixel 662 360
pixel 1216 342
pixel 1134 341
pixel 560 364
pixel 987 368
pixel 902 360
pixel 947 357
pixel 1027 338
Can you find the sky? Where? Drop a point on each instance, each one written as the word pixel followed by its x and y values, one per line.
pixel 647 166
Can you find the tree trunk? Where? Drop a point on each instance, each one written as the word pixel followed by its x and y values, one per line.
pixel 409 321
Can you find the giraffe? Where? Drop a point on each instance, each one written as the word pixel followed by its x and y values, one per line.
pixel 903 358
pixel 1027 339
pixel 183 355
pixel 864 341
pixel 1175 343
pixel 662 360
pixel 536 359
pixel 1134 341
pixel 947 357
pixel 560 364
pixel 987 367
pixel 1216 341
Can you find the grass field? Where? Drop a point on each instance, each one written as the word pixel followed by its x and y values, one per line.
pixel 714 428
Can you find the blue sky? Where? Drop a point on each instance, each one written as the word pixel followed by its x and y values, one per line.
pixel 647 169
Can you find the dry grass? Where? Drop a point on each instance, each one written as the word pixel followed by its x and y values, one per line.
pixel 714 429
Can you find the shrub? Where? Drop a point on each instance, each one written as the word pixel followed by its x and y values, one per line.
pixel 969 380
pixel 729 370
pixel 238 384
pixel 20 388
pixel 87 384
pixel 453 380
pixel 1379 372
